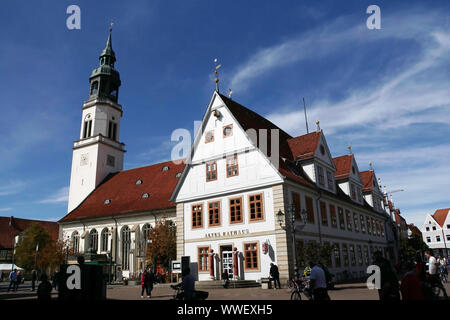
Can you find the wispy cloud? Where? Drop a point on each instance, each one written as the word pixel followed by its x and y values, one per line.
pixel 61 196
pixel 5 209
pixel 12 187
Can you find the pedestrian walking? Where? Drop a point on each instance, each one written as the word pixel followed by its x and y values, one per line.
pixel 19 279
pixel 225 279
pixel 143 283
pixel 150 280
pixel 33 279
pixel 390 289
pixel 12 280
pixel 318 283
pixel 275 276
pixel 411 286
pixel 44 289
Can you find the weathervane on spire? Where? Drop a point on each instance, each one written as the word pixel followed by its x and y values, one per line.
pixel 216 73
pixel 111 23
pixel 349 147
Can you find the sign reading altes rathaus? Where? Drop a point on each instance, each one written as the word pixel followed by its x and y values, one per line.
pixel 226 233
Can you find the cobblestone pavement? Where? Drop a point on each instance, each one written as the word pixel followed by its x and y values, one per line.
pixel 355 291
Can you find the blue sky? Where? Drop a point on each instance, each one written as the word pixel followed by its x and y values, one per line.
pixel 386 92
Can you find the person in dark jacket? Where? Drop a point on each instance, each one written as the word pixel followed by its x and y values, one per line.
pixel 33 279
pixel 149 280
pixel 275 276
pixel 390 288
pixel 225 279
pixel 44 289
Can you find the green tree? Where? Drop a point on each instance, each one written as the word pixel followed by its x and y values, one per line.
pixel 163 243
pixel 50 253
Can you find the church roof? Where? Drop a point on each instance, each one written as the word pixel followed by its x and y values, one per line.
pixel 12 226
pixel 440 216
pixel 121 193
pixel 367 178
pixel 343 166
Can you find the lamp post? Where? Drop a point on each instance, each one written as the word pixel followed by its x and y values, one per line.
pixel 291 211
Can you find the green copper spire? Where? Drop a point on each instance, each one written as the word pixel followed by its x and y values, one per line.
pixel 105 80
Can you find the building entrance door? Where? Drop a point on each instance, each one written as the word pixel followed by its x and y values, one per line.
pixel 227 263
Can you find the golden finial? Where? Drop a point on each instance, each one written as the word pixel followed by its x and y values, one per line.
pixel 230 93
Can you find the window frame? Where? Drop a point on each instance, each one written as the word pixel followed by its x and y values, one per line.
pixel 219 214
pixel 333 217
pixel 209 177
pixel 250 202
pixel 309 203
pixel 232 166
pixel 256 251
pixel 323 213
pixel 197 215
pixel 241 205
pixel 213 136
pixel 200 256
pixel 223 130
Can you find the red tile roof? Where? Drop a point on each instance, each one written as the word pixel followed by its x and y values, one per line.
pixel 305 146
pixel 415 230
pixel 343 166
pixel 367 179
pixel 440 215
pixel 126 196
pixel 12 226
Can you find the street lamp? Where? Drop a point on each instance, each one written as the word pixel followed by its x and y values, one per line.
pixel 291 209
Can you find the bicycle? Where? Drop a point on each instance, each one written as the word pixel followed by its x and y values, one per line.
pixel 299 286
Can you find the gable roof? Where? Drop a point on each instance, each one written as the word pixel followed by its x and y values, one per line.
pixel 289 147
pixel 440 215
pixel 11 227
pixel 367 178
pixel 343 166
pixel 414 229
pixel 126 196
pixel 304 147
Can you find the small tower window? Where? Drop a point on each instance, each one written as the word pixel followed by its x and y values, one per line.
pixel 145 196
pixel 107 201
pixel 165 168
pixel 139 182
pixel 112 130
pixel 87 127
pixel 94 88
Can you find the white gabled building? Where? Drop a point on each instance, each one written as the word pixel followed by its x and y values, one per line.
pixel 436 231
pixel 230 194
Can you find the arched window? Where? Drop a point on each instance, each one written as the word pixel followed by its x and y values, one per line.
pixel 94 87
pixel 75 242
pixel 126 244
pixel 146 231
pixel 104 240
pixel 93 241
pixel 87 126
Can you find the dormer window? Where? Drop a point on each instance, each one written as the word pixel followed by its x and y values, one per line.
pixel 145 196
pixel 322 149
pixel 320 173
pixel 353 169
pixel 107 201
pixel 138 182
pixel 165 168
pixel 330 180
pixel 353 191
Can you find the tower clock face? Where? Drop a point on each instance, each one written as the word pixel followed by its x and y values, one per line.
pixel 84 159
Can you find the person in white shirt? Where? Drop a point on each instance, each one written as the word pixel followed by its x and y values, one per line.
pixel 432 268
pixel 318 282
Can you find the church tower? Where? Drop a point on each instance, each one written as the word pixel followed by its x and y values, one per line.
pixel 98 152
